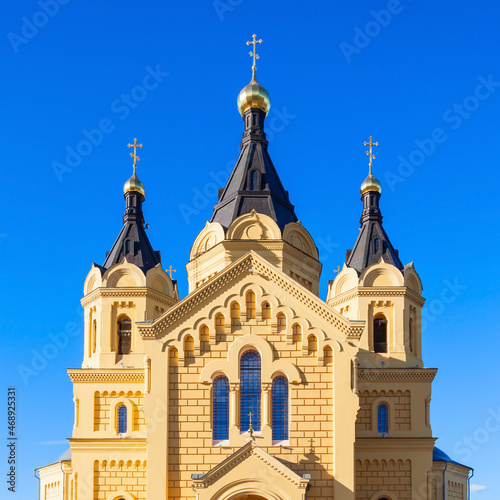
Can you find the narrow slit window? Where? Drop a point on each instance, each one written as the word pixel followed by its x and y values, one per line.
pixel 220 410
pixel 121 418
pixel 280 408
pixel 124 336
pixel 250 392
pixel 380 335
pixel 383 419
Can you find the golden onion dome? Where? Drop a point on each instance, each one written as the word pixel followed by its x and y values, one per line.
pixel 134 184
pixel 253 96
pixel 371 183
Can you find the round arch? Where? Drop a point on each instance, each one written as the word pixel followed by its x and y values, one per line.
pixel 257 489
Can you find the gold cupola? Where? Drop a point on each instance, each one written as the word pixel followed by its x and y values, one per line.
pixel 371 183
pixel 253 95
pixel 134 184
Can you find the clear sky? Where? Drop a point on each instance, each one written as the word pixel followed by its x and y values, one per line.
pixel 84 79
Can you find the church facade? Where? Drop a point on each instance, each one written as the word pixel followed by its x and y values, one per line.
pixel 252 386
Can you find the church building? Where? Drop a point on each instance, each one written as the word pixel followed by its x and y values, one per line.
pixel 252 386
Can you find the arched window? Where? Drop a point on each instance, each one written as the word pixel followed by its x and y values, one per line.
pixel 328 355
pixel 312 345
pixel 379 335
pixel 297 333
pixel 94 335
pixel 220 408
pixel 412 338
pixel 235 313
pixel 189 346
pixel 250 305
pixel 383 419
pixel 375 245
pixel 220 324
pixel 280 408
pixel 124 335
pixel 281 322
pixel 250 391
pixel 266 310
pixel 121 419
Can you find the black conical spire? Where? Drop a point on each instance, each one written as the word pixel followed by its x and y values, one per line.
pixel 254 182
pixel 373 243
pixel 132 242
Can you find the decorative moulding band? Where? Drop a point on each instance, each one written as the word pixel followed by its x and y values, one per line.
pixel 89 375
pixel 397 375
pixel 210 289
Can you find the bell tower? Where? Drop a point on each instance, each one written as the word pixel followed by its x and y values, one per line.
pixel 131 286
pixel 376 287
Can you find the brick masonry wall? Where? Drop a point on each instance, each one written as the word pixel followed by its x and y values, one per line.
pixel 400 404
pixel 114 475
pixel 103 420
pixel 190 429
pixel 455 491
pixel 390 476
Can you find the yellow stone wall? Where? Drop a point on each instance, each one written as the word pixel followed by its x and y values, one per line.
pixel 120 475
pixel 310 448
pixel 399 403
pixel 455 491
pixel 390 476
pixel 105 402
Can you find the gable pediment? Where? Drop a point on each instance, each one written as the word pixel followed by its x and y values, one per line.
pixel 247 465
pixel 251 263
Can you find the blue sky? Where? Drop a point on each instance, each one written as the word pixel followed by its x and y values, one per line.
pixel 423 80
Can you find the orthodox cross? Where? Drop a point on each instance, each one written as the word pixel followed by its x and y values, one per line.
pixel 369 153
pixel 134 155
pixel 170 271
pixel 254 53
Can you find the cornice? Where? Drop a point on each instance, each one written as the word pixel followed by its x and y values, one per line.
pixel 109 444
pixel 399 291
pixel 396 374
pixel 251 260
pixel 90 375
pixel 371 444
pixel 127 292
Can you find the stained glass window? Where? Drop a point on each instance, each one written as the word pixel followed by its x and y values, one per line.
pixel 280 408
pixel 220 401
pixel 250 390
pixel 121 415
pixel 383 419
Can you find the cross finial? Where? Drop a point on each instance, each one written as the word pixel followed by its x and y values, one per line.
pixel 254 53
pixel 134 155
pixel 337 270
pixel 170 271
pixel 250 428
pixel 369 153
